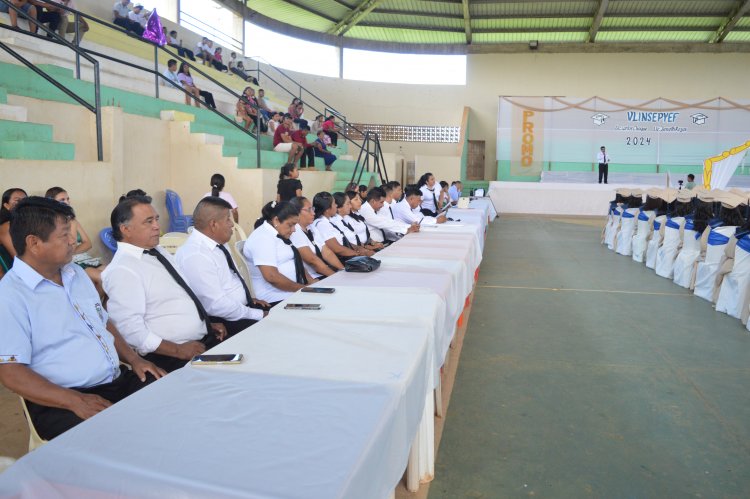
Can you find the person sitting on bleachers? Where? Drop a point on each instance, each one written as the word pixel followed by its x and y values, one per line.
pixel 308 151
pixel 274 122
pixel 382 227
pixel 172 75
pixel 181 51
pixel 212 274
pixel 26 7
pixel 218 61
pixel 187 82
pixel 289 185
pixel 331 129
pixel 432 196
pixel 265 109
pixel 325 207
pixel 357 222
pixel 276 266
pixel 139 15
pixel 204 51
pixel 236 67
pixel 317 125
pixel 292 109
pixel 90 264
pixel 247 109
pixel 319 260
pixel 343 209
pixel 122 17
pixel 66 26
pixel 48 12
pixel 217 190
pixel 321 150
pixel 60 351
pixel 407 210
pixel 149 300
pixel 282 140
pixel 10 200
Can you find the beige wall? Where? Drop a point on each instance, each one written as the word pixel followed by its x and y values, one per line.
pixel 446 168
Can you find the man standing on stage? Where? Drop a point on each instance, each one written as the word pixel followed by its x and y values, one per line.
pixel 603 159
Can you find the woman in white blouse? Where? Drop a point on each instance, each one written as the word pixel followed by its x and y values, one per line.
pixel 344 208
pixel 357 222
pixel 432 196
pixel 276 267
pixel 325 208
pixel 319 260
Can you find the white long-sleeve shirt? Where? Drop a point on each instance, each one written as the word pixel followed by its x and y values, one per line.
pixel 381 225
pixel 208 274
pixel 602 157
pixel 145 302
pixel 404 213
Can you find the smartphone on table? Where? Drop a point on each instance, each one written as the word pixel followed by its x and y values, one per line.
pixel 215 359
pixel 303 306
pixel 326 291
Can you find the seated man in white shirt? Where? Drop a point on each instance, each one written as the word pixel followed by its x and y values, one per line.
pixel 407 210
pixel 382 227
pixel 171 74
pixel 149 300
pixel 454 192
pixel 212 273
pixel 59 350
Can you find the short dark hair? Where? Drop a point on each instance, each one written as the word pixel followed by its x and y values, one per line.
pixel 443 184
pixel 36 216
pixel 123 213
pixel 171 62
pixel 199 218
pixel 393 184
pixel 375 193
pixel 287 115
pixel 132 193
pixel 340 199
pixel 362 188
pixel 412 190
pixel 321 203
pixel 173 32
pixel 52 192
pixel 691 176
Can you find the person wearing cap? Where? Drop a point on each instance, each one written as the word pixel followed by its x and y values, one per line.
pixel 139 15
pixel 122 17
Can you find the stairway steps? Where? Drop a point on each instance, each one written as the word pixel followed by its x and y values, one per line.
pixel 23 131
pixel 13 113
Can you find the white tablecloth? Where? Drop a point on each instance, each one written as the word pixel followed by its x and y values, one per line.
pixel 486 205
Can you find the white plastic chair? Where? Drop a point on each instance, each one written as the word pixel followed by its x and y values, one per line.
pixel 684 263
pixel 171 241
pixel 643 232
pixel 733 292
pixel 657 238
pixel 667 253
pixel 35 441
pixel 239 261
pixel 705 273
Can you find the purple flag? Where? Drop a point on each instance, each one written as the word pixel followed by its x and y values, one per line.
pixel 153 31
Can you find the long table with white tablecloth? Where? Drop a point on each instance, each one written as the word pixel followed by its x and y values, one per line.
pixel 327 403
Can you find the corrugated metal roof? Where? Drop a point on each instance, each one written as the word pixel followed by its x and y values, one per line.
pixel 514 21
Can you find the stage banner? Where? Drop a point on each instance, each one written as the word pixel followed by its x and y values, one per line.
pixel 536 132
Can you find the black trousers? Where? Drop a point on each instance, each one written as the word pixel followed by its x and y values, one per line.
pixel 209 98
pixel 52 421
pixel 129 25
pixel 234 327
pixel 182 52
pixel 53 18
pixel 170 364
pixel 603 170
pixel 307 158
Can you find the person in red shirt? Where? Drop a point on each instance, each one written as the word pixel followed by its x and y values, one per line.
pixel 330 128
pixel 282 140
pixel 308 152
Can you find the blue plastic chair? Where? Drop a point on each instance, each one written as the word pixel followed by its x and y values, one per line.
pixel 178 221
pixel 108 239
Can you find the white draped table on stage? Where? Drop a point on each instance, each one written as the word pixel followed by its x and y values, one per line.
pixel 327 404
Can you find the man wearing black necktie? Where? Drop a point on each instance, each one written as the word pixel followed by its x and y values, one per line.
pixel 603 159
pixel 212 272
pixel 150 301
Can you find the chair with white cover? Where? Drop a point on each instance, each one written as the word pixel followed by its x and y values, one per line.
pixel 673 235
pixel 734 287
pixel 694 235
pixel 645 224
pixel 624 238
pixel 705 284
pixel 615 214
pixel 668 197
pixel 35 441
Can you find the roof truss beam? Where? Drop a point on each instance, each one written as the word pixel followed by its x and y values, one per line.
pixel 603 4
pixel 354 17
pixel 301 5
pixel 734 17
pixel 467 21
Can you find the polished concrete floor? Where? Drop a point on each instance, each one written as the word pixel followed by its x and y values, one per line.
pixel 583 374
